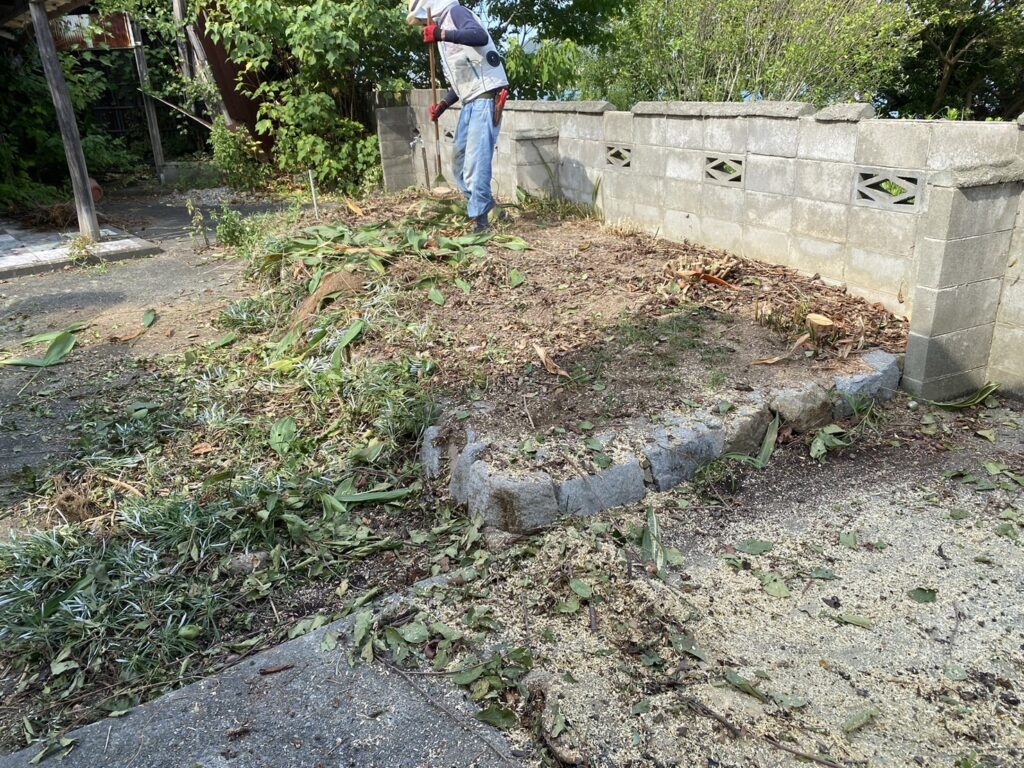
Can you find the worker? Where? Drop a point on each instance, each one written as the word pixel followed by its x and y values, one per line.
pixel 477 77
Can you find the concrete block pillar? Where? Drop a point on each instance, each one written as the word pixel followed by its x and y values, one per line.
pixel 1006 363
pixel 962 255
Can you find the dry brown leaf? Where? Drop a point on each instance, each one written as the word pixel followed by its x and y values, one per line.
pixel 792 350
pixel 353 207
pixel 549 364
pixel 717 281
pixel 201 449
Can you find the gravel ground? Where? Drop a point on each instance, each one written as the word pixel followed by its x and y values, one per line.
pixel 847 667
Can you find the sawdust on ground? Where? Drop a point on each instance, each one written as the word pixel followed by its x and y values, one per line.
pixel 637 672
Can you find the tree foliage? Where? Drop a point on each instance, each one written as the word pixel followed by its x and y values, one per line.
pixel 970 62
pixel 545 42
pixel 550 69
pixel 728 50
pixel 313 65
pixel 585 22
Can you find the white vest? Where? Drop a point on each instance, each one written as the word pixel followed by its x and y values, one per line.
pixel 472 72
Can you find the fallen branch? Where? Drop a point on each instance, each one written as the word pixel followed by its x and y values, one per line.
pixel 529 417
pixel 737 731
pixel 274 670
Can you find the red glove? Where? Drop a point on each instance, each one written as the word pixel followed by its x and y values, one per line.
pixel 431 34
pixel 436 110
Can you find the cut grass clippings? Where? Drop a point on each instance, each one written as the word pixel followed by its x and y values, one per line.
pixel 274 484
pixel 272 487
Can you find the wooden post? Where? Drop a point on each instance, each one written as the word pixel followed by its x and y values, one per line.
pixel 214 105
pixel 193 60
pixel 147 102
pixel 183 52
pixel 84 206
pixel 195 65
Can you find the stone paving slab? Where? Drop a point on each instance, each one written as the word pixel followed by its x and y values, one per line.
pixel 317 712
pixel 25 252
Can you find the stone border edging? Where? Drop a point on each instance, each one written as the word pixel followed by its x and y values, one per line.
pixel 56 259
pixel 672 453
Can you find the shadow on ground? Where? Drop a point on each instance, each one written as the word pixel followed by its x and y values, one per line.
pixel 40 408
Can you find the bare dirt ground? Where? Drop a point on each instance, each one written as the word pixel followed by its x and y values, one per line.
pixel 608 328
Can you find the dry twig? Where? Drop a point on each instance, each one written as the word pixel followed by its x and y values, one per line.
pixel 737 731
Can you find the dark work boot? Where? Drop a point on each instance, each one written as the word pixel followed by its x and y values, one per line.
pixel 481 224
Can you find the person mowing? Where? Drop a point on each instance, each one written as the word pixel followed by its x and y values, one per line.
pixel 477 77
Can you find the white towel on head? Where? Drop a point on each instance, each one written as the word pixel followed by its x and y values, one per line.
pixel 418 9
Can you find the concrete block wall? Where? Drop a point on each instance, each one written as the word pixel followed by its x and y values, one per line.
pixel 395 126
pixel 869 203
pixel 424 146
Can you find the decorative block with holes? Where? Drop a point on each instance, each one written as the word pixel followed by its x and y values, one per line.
pixel 619 156
pixel 724 170
pixel 889 189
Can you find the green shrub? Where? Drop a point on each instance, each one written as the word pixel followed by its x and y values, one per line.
pixel 736 50
pixel 21 193
pixel 237 156
pixel 316 62
pixel 368 163
pixel 231 227
pixel 106 155
pixel 311 134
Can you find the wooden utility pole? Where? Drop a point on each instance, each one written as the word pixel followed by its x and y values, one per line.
pixel 147 102
pixel 84 206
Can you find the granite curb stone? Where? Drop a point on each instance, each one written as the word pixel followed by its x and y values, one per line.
pixel 805 408
pixel 879 384
pixel 673 451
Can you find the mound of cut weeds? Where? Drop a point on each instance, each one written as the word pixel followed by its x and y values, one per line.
pixel 268 485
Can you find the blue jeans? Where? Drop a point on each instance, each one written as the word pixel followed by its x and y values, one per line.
pixel 475 139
